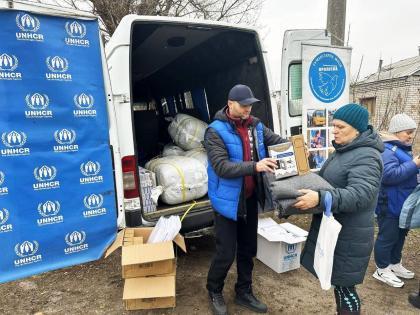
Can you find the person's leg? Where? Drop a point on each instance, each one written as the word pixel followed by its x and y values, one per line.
pixel 414 298
pixel 247 246
pixel 396 251
pixel 225 234
pixel 347 300
pixel 247 250
pixel 386 240
pixel 397 268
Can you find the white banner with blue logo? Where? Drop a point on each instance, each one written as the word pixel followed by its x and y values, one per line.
pixel 325 87
pixel 57 198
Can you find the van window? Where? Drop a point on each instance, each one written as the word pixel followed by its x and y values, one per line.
pixel 295 89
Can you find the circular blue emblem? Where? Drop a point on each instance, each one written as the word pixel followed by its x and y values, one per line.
pixel 327 77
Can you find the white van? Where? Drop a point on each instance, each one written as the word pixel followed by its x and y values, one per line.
pixel 162 66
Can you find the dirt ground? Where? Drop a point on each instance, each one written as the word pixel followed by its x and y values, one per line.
pixel 96 288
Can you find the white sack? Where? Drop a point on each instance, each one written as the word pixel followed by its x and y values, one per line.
pixel 187 131
pixel 172 149
pixel 199 154
pixel 183 178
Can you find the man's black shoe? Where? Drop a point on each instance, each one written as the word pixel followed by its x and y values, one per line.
pixel 217 303
pixel 251 302
pixel 414 299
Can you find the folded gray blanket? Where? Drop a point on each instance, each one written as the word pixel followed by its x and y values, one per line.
pixel 284 192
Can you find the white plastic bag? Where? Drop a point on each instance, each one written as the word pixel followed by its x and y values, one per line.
pixel 165 229
pixel 325 245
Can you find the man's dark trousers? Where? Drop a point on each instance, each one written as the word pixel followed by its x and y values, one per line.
pixel 232 237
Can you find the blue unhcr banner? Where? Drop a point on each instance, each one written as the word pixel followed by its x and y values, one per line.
pixel 57 198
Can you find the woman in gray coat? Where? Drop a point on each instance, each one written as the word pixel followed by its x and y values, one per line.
pixel 354 170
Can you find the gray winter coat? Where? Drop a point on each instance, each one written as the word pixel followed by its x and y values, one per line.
pixel 355 171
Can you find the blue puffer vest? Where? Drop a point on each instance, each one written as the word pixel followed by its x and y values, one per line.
pixel 224 193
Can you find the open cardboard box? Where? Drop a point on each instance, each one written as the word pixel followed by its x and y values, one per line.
pixel 140 259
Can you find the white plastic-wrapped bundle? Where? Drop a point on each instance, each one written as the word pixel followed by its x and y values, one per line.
pixel 183 178
pixel 187 131
pixel 199 154
pixel 172 149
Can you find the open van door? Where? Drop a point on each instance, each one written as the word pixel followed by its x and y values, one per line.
pixel 291 76
pixel 58 197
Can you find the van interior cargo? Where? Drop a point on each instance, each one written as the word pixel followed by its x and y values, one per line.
pixel 189 68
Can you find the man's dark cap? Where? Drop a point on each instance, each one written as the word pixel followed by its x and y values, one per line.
pixel 242 94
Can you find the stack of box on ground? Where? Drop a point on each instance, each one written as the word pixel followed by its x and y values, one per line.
pixel 279 245
pixel 147 183
pixel 149 270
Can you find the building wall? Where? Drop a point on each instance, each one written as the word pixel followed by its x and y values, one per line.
pixel 390 97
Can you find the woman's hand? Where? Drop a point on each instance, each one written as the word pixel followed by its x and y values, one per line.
pixel 308 200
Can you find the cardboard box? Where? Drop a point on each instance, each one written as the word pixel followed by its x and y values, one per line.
pixel 285 156
pixel 140 260
pixel 291 157
pixel 301 157
pixel 278 248
pixel 149 292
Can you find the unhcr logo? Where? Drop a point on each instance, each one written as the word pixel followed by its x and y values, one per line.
pixel 29 25
pixel 14 142
pixel 84 102
pixel 77 31
pixel 91 170
pixel 76 242
pixel 49 210
pixel 26 251
pixel 58 66
pixel 93 203
pixel 4 216
pixel 38 104
pixel 66 139
pixel 8 65
pixel 45 176
pixel 3 190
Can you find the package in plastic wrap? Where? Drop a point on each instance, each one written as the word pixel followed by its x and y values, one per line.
pixel 199 154
pixel 183 178
pixel 187 131
pixel 147 184
pixel 172 149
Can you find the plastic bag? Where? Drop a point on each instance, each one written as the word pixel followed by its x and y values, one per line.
pixel 325 245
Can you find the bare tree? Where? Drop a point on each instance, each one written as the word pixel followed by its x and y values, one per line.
pixel 111 12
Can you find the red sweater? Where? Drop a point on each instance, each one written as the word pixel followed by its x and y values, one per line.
pixel 242 129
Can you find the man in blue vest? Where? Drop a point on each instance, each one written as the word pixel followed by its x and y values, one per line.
pixel 236 146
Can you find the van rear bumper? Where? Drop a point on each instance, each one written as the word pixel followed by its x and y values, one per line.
pixel 197 220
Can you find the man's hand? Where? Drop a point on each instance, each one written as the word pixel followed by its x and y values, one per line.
pixel 266 165
pixel 309 200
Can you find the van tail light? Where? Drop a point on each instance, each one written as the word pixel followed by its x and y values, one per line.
pixel 130 177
